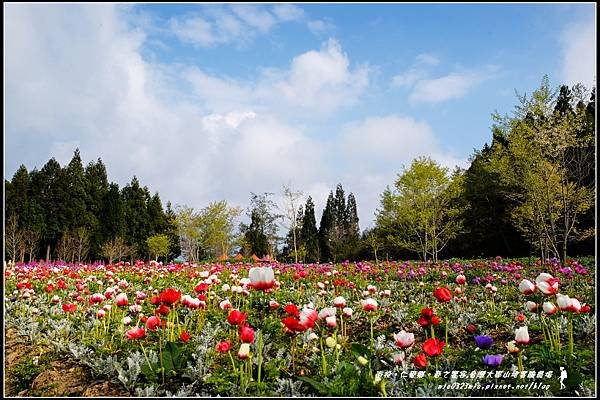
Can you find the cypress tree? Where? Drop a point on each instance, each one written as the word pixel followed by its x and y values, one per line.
pixel 325 229
pixel 309 234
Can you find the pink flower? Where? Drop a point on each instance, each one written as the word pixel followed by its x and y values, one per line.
pixel 549 308
pixel 121 300
pixel 339 302
pixel 526 287
pixel 246 334
pixel 404 339
pixel 331 321
pixel 152 323
pixel 369 305
pixel 135 333
pixel 522 335
pixel 262 278
pixel 460 280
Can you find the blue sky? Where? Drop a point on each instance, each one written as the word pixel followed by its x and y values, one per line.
pixel 208 102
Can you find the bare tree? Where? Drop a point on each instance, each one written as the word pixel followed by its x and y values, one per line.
pixel 31 239
pixel 81 242
pixel 115 249
pixel 291 213
pixel 13 237
pixel 64 247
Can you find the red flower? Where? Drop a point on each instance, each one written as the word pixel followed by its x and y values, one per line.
pixel 585 309
pixel 135 333
pixel 155 300
pixel 69 307
pixel 420 361
pixel 293 325
pixel 62 284
pixel 246 334
pixel 292 309
pixel 152 323
pixel 436 320
pixel 184 336
pixel 442 294
pixel 162 310
pixel 201 287
pixel 236 317
pixel 223 347
pixel 427 312
pixel 423 321
pixel 433 347
pixel 471 328
pixel 50 288
pixel 170 296
pixel 520 318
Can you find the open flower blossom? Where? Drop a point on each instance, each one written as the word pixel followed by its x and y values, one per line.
pixel 135 333
pixel 225 304
pixel 484 342
pixel 331 321
pixel 339 302
pixel 547 284
pixel 152 323
pixel 433 347
pixel 327 312
pixel 369 304
pixel 526 287
pixel 184 336
pixel 442 294
pixel 236 317
pixel 308 317
pixel 404 339
pixel 347 312
pixel 223 347
pixel 246 334
pixel 522 335
pixel 262 278
pixel 566 303
pixel 121 300
pixel 460 280
pixel 493 360
pixel 420 361
pixel 170 296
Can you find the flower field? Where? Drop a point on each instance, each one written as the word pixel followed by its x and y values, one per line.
pixel 458 328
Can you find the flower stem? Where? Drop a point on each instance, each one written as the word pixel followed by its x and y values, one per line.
pixel 232 362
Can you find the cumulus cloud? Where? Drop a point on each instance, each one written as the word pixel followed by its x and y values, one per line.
pixel 578 42
pixel 75 77
pixel 377 148
pixel 317 81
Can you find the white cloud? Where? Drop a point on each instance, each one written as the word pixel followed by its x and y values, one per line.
pixel 75 77
pixel 578 42
pixel 196 30
pixel 408 78
pixel 320 27
pixel 375 150
pixel 316 81
pixel 452 86
pixel 427 59
pixel 238 23
pixel 322 80
pixel 288 12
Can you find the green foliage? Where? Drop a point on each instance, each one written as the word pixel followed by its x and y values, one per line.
pixel 158 245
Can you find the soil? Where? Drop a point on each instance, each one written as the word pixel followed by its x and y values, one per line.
pixel 57 378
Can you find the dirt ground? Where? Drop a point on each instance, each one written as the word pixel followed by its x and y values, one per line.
pixel 53 377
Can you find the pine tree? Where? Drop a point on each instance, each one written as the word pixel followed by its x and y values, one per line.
pixel 309 234
pixel 96 188
pixel 325 229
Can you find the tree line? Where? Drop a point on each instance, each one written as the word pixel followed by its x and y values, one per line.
pixel 73 213
pixel 530 191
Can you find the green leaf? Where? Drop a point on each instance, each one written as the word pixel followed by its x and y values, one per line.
pixel 321 388
pixel 361 350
